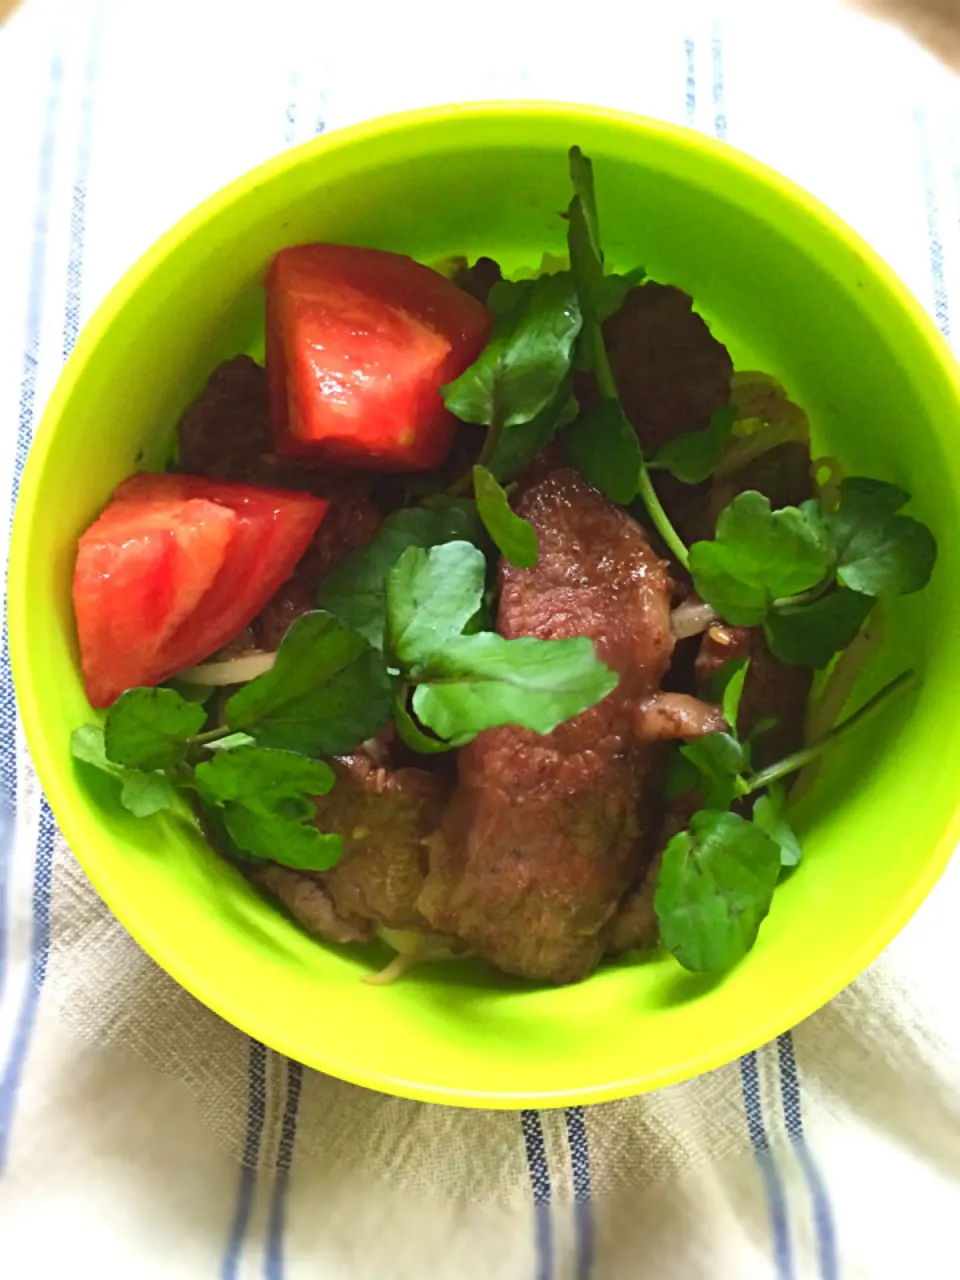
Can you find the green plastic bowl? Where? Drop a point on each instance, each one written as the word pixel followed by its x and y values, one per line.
pixel 791 290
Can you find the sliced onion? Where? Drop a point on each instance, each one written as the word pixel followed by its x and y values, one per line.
pixel 691 618
pixel 231 671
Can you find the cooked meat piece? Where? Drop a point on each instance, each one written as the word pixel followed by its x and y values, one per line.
pixel 243 642
pixel 772 689
pixel 479 279
pixel 351 522
pixel 225 434
pixel 542 836
pixel 635 924
pixel 677 715
pixel 304 896
pixel 384 817
pixel 670 371
pixel 226 430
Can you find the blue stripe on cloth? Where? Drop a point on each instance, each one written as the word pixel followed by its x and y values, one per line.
pixel 278 1205
pixel 690 99
pixel 941 305
pixel 793 1115
pixel 719 107
pixel 25 424
pixel 776 1201
pixel 40 951
pixel 540 1182
pixel 580 1166
pixel 256 1116
pixel 290 132
pixel 43 867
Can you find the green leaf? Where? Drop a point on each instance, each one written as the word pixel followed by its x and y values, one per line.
pixel 516 446
pixel 266 799
pixel 714 890
pixel 809 635
pixel 720 759
pixel 410 731
pixel 880 553
pixel 261 778
pixel 864 503
pixel 480 681
pixel 516 537
pixel 603 447
pixel 726 687
pixel 896 561
pixel 143 794
pixel 457 520
pixel 431 596
pixel 527 357
pixel 231 742
pixel 758 556
pixel 327 691
pixel 583 235
pixel 355 591
pixel 190 691
pixel 283 840
pixel 770 816
pixel 693 457
pixel 148 728
pixel 614 288
pixel 682 776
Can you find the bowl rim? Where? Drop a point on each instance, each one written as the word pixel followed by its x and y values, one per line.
pixel 204 985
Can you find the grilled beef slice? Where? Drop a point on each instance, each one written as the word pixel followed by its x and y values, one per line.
pixel 384 815
pixel 225 434
pixel 543 835
pixel 308 901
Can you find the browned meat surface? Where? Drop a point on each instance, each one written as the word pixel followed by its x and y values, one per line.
pixel 350 522
pixel 225 434
pixel 384 817
pixel 670 371
pixel 635 924
pixel 304 896
pixel 772 688
pixel 541 839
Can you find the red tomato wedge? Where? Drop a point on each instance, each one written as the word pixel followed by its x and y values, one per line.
pixel 174 568
pixel 359 342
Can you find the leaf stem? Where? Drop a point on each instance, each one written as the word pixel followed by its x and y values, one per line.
pixel 464 483
pixel 805 597
pixel 608 389
pixel 211 735
pixel 790 764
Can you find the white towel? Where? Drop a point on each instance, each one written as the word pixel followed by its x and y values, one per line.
pixel 140 1136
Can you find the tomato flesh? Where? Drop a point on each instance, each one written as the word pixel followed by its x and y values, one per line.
pixel 174 568
pixel 359 343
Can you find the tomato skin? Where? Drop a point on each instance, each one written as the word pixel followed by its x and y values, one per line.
pixel 174 567
pixel 359 342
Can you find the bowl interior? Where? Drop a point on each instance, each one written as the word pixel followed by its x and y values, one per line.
pixel 790 291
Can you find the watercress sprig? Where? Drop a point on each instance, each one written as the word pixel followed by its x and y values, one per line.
pixel 602 444
pixel 810 577
pixel 717 878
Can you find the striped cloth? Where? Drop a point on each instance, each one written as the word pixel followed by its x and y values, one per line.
pixel 142 1137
